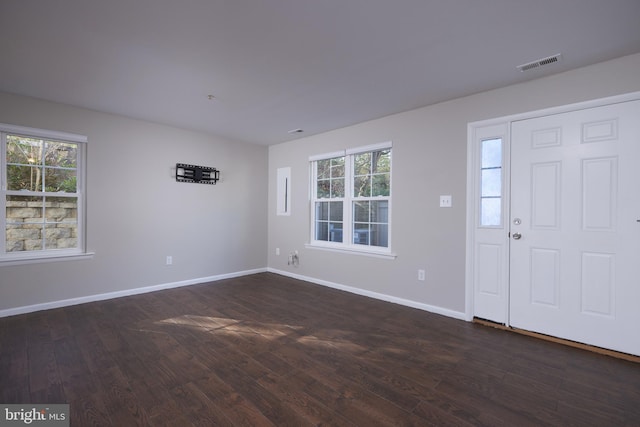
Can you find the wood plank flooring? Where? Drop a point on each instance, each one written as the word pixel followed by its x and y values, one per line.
pixel 267 350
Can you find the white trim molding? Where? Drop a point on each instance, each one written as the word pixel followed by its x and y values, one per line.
pixel 43 133
pixel 382 297
pixel 125 293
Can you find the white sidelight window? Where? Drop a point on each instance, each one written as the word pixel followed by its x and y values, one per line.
pixel 42 194
pixel 351 199
pixel 491 182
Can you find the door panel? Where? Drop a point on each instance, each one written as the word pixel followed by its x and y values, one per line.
pixel 490 259
pixel 575 202
pixel 545 194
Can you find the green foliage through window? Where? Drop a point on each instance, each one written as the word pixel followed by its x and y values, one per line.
pixel 41 165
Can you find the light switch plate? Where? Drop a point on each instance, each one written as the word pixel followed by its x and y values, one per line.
pixel 445 201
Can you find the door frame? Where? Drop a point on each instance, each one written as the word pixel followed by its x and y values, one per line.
pixel 473 130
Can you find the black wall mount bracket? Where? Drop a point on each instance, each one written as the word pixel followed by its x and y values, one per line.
pixel 196 174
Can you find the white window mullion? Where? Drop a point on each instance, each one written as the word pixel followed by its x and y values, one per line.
pixel 347 237
pixel 3 190
pixel 81 176
pixel 312 200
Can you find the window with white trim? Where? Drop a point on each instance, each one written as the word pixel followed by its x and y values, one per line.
pixel 42 190
pixel 351 199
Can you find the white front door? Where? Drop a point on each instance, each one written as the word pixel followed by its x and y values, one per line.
pixel 575 226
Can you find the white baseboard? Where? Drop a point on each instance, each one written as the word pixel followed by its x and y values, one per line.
pixel 388 298
pixel 136 291
pixel 125 293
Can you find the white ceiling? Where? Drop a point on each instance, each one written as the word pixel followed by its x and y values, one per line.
pixel 278 65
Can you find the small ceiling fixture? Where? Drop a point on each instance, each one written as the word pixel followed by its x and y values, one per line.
pixel 211 97
pixel 540 62
pixel 298 130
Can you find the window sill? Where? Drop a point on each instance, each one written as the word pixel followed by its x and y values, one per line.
pixel 47 258
pixel 352 250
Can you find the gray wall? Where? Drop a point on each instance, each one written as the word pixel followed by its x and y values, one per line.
pixel 137 213
pixel 429 159
pixel 218 230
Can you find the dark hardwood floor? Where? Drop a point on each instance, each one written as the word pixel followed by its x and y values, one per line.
pixel 268 350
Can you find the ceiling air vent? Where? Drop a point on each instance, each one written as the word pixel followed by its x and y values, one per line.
pixel 540 62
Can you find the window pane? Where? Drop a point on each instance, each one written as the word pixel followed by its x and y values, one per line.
pixel 322 211
pixel 329 221
pixel 323 188
pixel 28 173
pixel 491 182
pixel 492 153
pixel 322 167
pixel 23 237
pixel 26 229
pixel 337 187
pixel 24 151
pixel 382 161
pixel 61 210
pixel 361 211
pixel 370 225
pixel 379 235
pixel 60 236
pixel 381 185
pixel 24 178
pixel 330 178
pixel 60 154
pixel 362 164
pixel 337 167
pixel 60 180
pixel 361 234
pixel 490 211
pixel 372 176
pixel 362 186
pixel 24 223
pixel 335 232
pixel 380 211
pixel 335 211
pixel 24 209
pixel 322 230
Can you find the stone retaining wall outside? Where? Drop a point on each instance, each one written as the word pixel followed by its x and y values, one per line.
pixel 25 228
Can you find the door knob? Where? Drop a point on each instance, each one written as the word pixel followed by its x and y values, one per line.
pixel 517 236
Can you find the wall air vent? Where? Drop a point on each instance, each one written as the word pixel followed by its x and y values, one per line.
pixel 540 62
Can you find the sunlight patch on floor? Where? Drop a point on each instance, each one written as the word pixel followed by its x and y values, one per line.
pixel 230 326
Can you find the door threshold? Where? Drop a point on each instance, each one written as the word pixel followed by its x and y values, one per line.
pixel 592 348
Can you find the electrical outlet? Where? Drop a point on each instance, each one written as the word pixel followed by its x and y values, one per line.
pixel 277 251
pixel 421 274
pixel 169 260
pixel 445 201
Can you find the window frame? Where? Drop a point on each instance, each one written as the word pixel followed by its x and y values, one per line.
pixel 348 201
pixel 44 255
pixel 480 169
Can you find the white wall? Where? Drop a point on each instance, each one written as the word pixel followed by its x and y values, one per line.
pixel 429 159
pixel 137 213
